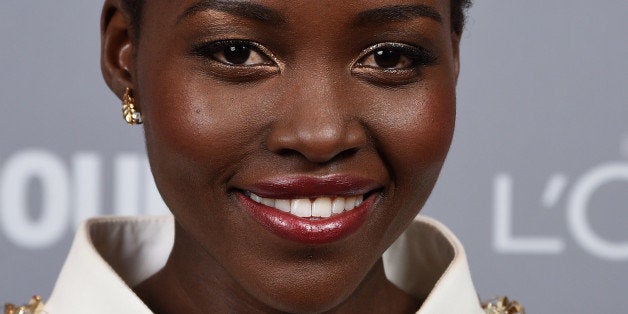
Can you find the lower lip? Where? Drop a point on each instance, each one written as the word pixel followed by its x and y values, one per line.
pixel 304 230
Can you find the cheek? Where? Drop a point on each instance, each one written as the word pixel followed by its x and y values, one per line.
pixel 414 132
pixel 182 119
pixel 198 129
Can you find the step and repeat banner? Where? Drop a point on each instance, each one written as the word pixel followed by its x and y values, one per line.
pixel 536 185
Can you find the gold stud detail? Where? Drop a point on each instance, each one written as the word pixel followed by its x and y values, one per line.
pixel 129 113
pixel 34 306
pixel 503 306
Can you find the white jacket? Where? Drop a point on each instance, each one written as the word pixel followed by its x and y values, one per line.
pixel 112 254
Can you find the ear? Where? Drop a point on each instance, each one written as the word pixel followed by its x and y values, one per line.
pixel 117 47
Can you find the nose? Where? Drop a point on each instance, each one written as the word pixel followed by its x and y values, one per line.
pixel 317 126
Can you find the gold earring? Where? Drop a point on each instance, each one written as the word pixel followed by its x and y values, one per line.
pixel 130 115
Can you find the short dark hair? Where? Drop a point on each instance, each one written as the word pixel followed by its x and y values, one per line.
pixel 458 14
pixel 134 10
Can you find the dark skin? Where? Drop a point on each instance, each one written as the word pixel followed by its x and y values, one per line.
pixel 307 96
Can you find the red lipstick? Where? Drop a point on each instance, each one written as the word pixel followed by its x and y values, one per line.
pixel 310 187
pixel 310 230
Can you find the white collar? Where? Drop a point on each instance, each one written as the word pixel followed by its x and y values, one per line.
pixel 111 254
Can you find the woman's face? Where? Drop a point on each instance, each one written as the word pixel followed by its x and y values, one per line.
pixel 307 104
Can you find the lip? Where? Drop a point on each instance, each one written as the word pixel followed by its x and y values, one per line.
pixel 310 187
pixel 310 231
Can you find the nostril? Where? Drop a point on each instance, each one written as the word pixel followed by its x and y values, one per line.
pixel 347 153
pixel 287 152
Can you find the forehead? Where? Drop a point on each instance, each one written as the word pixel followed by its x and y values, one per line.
pixel 295 12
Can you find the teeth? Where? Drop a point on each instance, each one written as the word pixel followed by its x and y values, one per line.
pixel 301 207
pixel 256 198
pixel 358 200
pixel 319 207
pixel 283 205
pixel 268 202
pixel 349 203
pixel 338 205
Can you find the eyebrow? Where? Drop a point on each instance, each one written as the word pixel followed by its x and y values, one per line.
pixel 248 10
pixel 396 13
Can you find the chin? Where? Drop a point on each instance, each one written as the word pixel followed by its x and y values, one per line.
pixel 315 292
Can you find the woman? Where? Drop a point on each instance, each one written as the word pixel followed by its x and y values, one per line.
pixel 294 142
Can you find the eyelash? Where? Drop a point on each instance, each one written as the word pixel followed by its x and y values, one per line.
pixel 418 56
pixel 211 49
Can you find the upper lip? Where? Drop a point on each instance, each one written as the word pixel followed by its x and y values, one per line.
pixel 311 187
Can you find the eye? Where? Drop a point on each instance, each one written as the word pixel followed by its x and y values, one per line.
pixel 395 56
pixel 388 59
pixel 235 53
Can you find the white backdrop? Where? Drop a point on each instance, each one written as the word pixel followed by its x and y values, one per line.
pixel 536 185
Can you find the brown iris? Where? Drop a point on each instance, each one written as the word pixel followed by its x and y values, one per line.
pixel 236 54
pixel 387 58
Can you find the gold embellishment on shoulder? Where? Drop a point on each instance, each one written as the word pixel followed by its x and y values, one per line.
pixel 502 305
pixel 34 306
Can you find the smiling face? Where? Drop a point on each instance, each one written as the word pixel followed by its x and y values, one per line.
pixel 293 141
